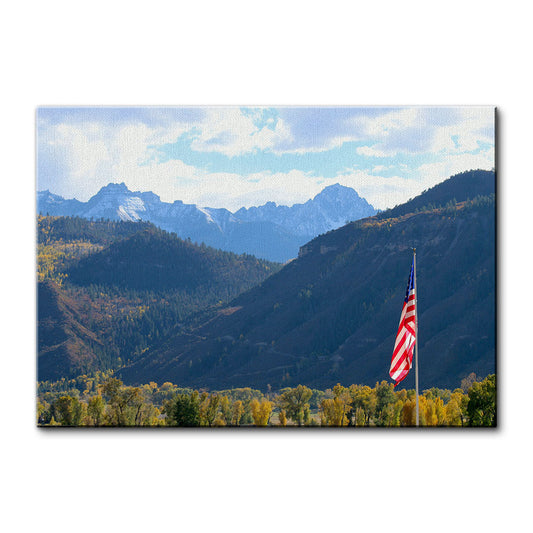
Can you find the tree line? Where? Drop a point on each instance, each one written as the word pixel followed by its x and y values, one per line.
pixel 133 283
pixel 103 400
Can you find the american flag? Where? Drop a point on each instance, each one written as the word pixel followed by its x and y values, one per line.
pixel 402 357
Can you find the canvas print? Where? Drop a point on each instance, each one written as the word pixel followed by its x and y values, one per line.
pixel 279 267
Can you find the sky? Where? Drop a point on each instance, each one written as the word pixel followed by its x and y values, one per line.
pixel 243 156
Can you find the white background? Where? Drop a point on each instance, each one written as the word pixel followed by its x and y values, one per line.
pixel 285 52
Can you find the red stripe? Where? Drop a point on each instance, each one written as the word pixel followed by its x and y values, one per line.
pixel 402 356
pixel 410 329
pixel 399 345
pixel 408 356
pixel 405 342
pixel 401 378
pixel 403 371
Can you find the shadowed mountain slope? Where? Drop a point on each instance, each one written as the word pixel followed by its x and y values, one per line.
pixel 65 344
pixel 109 289
pixel 331 315
pixel 153 259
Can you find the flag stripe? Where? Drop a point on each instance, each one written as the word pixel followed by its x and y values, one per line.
pixel 402 356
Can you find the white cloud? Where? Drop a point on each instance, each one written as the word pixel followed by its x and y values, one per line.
pixel 384 192
pixel 82 151
pixel 83 157
pixel 296 186
pixel 474 125
pixel 381 192
pixel 433 173
pixel 324 146
pixel 93 155
pixel 383 125
pixel 445 130
pixel 231 132
pixel 370 151
pixel 234 191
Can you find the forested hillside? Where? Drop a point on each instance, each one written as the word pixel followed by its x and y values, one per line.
pixel 464 186
pixel 331 315
pixel 107 290
pixel 131 298
pixel 66 346
pixel 153 259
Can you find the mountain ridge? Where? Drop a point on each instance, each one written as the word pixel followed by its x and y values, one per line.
pixel 270 231
pixel 332 314
pixel 107 289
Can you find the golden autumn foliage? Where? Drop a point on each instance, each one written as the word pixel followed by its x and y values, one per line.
pixel 103 400
pixel 261 411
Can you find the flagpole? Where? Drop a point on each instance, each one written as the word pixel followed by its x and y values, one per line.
pixel 416 340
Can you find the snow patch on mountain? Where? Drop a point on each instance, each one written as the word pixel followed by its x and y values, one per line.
pixel 270 231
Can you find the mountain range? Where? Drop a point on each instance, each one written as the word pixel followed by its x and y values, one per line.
pixel 332 314
pixel 273 232
pixel 153 307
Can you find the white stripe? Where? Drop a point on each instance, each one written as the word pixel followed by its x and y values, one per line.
pixel 399 355
pixel 401 369
pixel 409 341
pixel 404 309
pixel 399 338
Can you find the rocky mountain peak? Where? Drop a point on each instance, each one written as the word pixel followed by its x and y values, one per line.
pixel 114 188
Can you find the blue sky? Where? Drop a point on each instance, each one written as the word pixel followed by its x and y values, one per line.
pixel 242 156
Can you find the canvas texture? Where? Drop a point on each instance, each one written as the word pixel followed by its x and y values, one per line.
pixel 266 267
